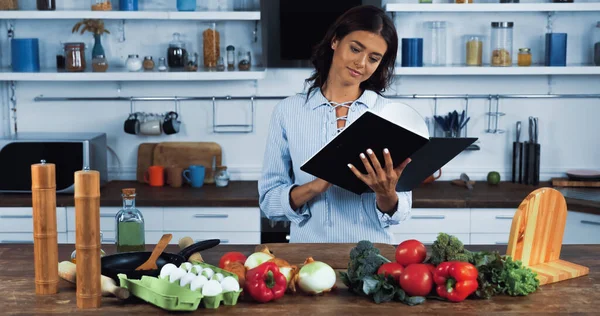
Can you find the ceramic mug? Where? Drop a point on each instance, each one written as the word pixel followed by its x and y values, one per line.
pixel 432 177
pixel 171 125
pixel 174 176
pixel 151 126
pixel 132 124
pixel 195 175
pixel 155 176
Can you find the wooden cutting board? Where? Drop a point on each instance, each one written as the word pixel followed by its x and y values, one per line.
pixel 185 154
pixel 565 182
pixel 144 159
pixel 335 255
pixel 536 236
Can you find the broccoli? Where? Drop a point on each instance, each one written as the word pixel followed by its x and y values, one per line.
pixel 449 248
pixel 365 260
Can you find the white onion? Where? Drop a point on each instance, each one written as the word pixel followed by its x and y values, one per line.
pixel 256 259
pixel 316 277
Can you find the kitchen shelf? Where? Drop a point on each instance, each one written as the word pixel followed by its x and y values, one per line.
pixel 121 74
pixel 497 71
pixel 130 15
pixel 494 7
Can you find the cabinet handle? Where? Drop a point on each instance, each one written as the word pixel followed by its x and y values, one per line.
pixel 16 242
pixel 223 241
pixel 107 215
pixel 501 243
pixel 16 216
pixel 428 217
pixel 211 215
pixel 504 217
pixel 590 222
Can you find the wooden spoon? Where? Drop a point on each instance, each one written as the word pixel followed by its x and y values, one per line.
pixel 150 264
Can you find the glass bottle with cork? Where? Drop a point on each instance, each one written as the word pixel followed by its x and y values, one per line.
pixel 130 233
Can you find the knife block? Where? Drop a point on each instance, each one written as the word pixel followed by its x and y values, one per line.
pixel 536 236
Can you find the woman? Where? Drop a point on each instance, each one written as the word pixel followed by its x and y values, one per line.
pixel 353 65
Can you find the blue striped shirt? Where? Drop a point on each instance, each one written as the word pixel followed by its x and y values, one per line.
pixel 298 129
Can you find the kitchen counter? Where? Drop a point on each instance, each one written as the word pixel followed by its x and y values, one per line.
pixel 439 194
pixel 580 295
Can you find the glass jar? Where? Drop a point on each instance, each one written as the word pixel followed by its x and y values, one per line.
pixel 134 63
pixel 60 58
pixel 221 64
pixel 130 234
pixel 230 57
pixel 524 58
pixel 192 64
pixel 435 43
pixel 101 5
pixel 177 53
pixel 222 177
pixel 186 5
pixel 99 64
pixel 502 44
pixel 162 65
pixel 211 40
pixel 74 253
pixel 245 60
pixel 474 50
pixel 596 44
pixel 75 57
pixel 148 63
pixel 46 5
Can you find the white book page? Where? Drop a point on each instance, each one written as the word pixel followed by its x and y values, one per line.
pixel 404 115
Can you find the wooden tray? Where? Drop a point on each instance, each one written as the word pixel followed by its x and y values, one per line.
pixel 565 182
pixel 185 154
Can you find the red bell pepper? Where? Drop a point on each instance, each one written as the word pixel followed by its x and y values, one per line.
pixel 265 282
pixel 455 280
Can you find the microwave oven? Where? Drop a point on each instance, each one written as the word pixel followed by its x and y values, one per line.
pixel 69 152
pixel 291 29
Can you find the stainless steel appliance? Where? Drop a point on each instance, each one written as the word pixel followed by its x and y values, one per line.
pixel 273 231
pixel 70 152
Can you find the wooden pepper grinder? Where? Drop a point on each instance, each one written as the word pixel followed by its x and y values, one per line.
pixel 87 238
pixel 45 243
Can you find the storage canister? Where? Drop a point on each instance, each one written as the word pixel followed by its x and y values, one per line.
pixel 435 43
pixel 75 57
pixel 412 52
pixel 596 44
pixel 128 5
pixel 502 43
pixel 25 54
pixel 474 50
pixel 556 49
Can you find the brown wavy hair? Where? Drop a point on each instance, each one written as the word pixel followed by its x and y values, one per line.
pixel 361 18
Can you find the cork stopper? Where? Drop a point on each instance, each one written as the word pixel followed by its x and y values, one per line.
pixel 87 183
pixel 43 175
pixel 128 191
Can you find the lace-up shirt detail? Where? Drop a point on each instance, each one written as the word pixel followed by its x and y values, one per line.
pixel 298 129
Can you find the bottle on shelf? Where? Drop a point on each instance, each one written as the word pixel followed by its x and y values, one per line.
pixel 130 231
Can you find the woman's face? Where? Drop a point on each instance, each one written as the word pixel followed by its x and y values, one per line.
pixel 357 56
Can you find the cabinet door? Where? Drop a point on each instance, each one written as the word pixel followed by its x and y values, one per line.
pixel 433 220
pixel 491 220
pixel 582 228
pixel 20 220
pixel 153 218
pixel 212 219
pixel 26 238
pixel 428 239
pixel 490 239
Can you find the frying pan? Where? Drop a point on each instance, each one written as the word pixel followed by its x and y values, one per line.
pixel 127 262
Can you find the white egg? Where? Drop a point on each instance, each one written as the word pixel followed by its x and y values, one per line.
pixel 208 273
pixel 230 284
pixel 198 282
pixel 186 266
pixel 218 276
pixel 187 279
pixel 176 275
pixel 197 269
pixel 212 288
pixel 166 270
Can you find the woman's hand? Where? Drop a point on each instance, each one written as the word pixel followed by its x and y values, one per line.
pixel 381 180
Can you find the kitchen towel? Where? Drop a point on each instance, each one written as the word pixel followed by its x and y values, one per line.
pixel 412 52
pixel 25 55
pixel 556 49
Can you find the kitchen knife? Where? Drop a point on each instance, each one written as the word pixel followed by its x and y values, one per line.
pixel 536 156
pixel 517 158
pixel 531 152
pixel 467 180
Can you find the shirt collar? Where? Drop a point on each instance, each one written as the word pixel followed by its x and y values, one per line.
pixel 316 99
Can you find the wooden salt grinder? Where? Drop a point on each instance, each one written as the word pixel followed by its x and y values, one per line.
pixel 45 243
pixel 87 238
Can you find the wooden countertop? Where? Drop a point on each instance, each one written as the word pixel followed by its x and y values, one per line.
pixel 440 194
pixel 580 295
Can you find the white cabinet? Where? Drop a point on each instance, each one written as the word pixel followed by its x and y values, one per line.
pixel 153 218
pixel 582 228
pixel 434 221
pixel 212 219
pixel 20 220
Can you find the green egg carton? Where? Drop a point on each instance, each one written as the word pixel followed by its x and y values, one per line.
pixel 162 293
pixel 229 298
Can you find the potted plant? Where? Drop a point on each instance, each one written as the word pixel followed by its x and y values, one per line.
pixel 96 27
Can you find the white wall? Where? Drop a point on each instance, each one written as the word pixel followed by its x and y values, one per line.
pixel 568 127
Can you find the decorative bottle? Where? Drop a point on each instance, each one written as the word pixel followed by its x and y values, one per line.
pixel 130 234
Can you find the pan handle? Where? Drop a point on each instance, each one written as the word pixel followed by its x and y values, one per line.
pixel 199 246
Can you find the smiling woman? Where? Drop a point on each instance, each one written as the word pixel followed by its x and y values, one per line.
pixel 353 66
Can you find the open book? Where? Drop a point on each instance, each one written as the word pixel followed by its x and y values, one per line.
pixel 397 127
